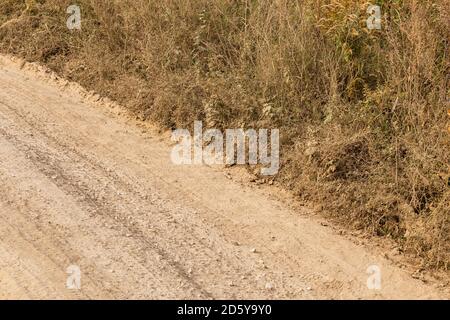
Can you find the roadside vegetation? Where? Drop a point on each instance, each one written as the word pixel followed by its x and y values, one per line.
pixel 363 114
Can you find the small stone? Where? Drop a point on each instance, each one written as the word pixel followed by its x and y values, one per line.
pixel 269 286
pixel 395 252
pixel 253 250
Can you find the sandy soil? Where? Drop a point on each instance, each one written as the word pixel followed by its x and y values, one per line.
pixel 84 185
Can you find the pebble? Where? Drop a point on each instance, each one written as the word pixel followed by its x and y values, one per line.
pixel 269 286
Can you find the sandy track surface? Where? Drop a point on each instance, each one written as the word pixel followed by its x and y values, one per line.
pixel 83 186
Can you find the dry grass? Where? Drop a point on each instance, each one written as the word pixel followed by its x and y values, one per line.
pixel 363 114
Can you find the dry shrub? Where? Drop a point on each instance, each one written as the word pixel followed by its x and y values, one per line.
pixel 362 113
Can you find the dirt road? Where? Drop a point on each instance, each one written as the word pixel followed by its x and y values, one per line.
pixel 82 185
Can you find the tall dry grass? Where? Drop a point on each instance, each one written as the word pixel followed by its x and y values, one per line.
pixel 363 114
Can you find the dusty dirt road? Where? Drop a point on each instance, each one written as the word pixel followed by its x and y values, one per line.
pixel 81 185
